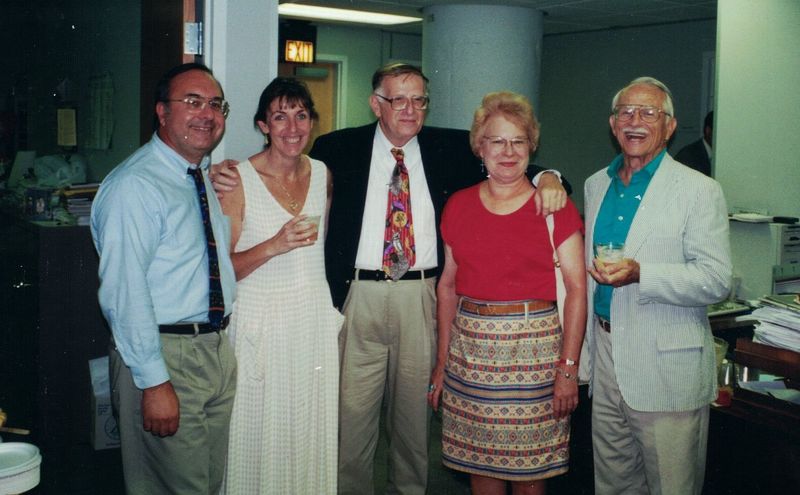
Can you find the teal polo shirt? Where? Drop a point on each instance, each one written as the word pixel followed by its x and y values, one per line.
pixel 615 217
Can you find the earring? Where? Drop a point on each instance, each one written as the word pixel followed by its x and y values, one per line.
pixel 483 169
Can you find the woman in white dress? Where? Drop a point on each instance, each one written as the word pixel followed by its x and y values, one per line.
pixel 284 328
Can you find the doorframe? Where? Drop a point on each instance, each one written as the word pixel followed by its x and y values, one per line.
pixel 341 85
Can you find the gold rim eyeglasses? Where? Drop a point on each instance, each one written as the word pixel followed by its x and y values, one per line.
pixel 498 144
pixel 648 114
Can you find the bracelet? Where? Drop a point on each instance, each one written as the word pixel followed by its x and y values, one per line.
pixel 567 374
pixel 567 361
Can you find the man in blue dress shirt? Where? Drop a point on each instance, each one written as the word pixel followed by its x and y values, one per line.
pixel 173 371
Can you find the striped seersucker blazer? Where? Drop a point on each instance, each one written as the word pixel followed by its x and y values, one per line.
pixel 661 339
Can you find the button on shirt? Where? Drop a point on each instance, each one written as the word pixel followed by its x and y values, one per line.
pixel 373 223
pixel 148 230
pixel 615 217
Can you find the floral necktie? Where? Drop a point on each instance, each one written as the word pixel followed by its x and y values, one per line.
pixel 399 252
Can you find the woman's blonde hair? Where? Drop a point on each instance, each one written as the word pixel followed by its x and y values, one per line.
pixel 512 106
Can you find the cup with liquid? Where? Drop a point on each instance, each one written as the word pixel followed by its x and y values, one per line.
pixel 609 252
pixel 311 220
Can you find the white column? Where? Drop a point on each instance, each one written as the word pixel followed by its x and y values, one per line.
pixel 241 47
pixel 470 50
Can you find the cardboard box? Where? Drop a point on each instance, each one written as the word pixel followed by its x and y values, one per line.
pixel 104 433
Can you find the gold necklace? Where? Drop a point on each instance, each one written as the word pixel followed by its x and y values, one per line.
pixel 293 204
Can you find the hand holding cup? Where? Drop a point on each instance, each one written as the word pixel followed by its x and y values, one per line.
pixel 609 252
pixel 311 224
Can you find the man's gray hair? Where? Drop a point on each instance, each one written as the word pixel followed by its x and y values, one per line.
pixel 667 106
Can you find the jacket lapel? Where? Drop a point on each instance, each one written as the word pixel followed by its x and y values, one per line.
pixel 660 193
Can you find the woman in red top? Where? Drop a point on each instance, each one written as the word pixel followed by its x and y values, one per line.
pixel 506 371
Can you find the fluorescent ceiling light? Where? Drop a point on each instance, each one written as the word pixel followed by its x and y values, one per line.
pixel 344 15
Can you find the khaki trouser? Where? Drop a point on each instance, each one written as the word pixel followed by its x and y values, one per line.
pixel 635 452
pixel 388 347
pixel 202 371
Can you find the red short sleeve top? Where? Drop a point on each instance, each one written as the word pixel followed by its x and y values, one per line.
pixel 504 257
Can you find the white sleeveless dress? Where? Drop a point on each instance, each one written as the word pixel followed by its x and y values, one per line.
pixel 284 328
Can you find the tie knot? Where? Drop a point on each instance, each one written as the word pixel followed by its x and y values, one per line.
pixel 398 154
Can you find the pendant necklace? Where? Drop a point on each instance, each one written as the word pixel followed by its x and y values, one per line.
pixel 293 204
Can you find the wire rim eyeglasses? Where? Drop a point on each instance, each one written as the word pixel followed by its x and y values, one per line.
pixel 401 102
pixel 197 104
pixel 498 144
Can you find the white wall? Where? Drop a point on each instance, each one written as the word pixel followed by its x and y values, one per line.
pixel 757 122
pixel 241 47
pixel 471 50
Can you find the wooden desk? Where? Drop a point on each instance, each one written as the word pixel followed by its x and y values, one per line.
pixel 754 445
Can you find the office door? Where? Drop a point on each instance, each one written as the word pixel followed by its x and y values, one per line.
pixel 321 79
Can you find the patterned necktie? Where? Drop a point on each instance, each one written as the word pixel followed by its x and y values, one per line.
pixel 399 252
pixel 216 303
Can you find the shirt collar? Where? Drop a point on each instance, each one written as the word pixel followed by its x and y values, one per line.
pixel 382 141
pixel 173 158
pixel 649 169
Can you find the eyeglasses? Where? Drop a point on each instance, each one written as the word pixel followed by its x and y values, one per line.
pixel 498 144
pixel 198 103
pixel 401 102
pixel 648 114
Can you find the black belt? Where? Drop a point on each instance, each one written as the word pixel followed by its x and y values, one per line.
pixel 193 328
pixel 380 275
pixel 604 324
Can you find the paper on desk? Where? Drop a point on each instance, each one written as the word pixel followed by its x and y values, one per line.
pixel 779 316
pixel 775 389
pixel 777 327
pixel 777 336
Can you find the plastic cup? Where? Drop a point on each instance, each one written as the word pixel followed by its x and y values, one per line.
pixel 312 220
pixel 609 252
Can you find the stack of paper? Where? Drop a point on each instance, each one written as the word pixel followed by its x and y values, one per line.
pixel 79 201
pixel 778 322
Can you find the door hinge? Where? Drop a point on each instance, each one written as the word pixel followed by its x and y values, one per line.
pixel 193 38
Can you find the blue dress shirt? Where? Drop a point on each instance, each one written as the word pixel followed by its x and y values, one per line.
pixel 616 215
pixel 147 229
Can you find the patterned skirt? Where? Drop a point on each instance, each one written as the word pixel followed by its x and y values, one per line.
pixel 497 400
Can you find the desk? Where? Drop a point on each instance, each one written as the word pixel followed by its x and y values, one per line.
pixel 754 445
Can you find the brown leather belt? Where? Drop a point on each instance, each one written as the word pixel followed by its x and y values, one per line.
pixel 500 309
pixel 604 324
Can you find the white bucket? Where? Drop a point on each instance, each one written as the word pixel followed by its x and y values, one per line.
pixel 19 467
